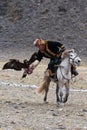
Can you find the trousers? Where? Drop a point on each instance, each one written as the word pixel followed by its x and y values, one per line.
pixel 52 66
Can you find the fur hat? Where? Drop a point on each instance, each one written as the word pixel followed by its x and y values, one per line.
pixel 39 41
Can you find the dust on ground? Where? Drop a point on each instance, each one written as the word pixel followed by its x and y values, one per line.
pixel 22 108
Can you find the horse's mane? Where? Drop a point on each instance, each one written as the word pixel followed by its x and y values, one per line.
pixel 65 54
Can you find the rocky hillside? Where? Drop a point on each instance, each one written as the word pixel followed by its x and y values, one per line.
pixel 22 21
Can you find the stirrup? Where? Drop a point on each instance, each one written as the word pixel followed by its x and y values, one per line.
pixel 54 77
pixel 75 73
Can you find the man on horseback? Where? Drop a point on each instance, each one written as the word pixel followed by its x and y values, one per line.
pixel 52 50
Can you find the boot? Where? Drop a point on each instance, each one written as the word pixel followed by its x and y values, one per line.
pixel 53 75
pixel 75 72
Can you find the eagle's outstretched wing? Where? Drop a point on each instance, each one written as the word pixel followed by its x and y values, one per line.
pixel 18 66
pixel 14 64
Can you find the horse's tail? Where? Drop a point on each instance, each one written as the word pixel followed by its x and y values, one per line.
pixel 45 83
pixel 42 87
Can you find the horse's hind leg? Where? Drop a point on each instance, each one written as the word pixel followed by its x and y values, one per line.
pixel 47 83
pixel 46 92
pixel 67 92
pixel 57 90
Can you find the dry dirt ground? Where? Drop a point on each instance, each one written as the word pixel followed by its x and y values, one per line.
pixel 22 108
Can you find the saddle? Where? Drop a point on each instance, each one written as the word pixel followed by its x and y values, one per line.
pixel 53 74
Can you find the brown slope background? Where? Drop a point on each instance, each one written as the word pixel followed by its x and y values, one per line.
pixel 21 22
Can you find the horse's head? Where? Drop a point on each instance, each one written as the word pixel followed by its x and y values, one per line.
pixel 74 58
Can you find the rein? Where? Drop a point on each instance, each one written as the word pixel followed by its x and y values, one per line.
pixel 62 66
pixel 63 74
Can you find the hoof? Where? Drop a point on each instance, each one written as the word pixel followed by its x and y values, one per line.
pixel 45 102
pixel 60 104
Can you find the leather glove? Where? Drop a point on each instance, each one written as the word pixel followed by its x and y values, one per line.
pixel 30 70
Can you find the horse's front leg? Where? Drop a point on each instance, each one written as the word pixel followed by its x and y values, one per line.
pixel 59 95
pixel 60 92
pixel 66 92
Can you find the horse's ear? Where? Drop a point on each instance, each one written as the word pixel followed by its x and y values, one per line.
pixel 71 50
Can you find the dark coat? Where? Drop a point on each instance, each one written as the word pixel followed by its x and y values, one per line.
pixel 52 50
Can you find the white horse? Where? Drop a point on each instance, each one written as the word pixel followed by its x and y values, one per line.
pixel 64 75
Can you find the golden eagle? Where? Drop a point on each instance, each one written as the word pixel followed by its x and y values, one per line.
pixel 18 66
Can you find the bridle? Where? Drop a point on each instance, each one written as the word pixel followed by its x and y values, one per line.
pixel 73 59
